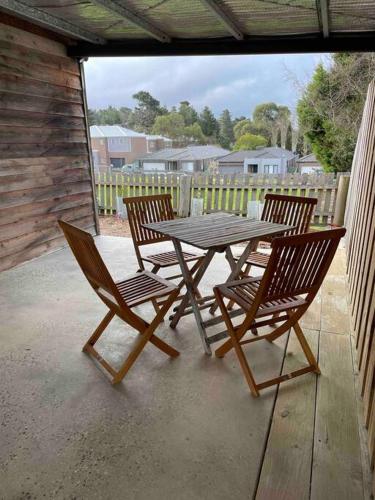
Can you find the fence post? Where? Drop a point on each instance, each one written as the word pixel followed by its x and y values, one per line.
pixel 342 193
pixel 185 196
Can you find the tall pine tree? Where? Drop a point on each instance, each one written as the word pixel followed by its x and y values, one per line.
pixel 209 124
pixel 226 135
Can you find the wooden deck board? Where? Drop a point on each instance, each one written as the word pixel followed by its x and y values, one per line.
pixel 337 465
pixel 325 422
pixel 286 468
pixel 312 318
pixel 335 317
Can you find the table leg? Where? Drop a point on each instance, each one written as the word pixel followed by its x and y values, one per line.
pixel 236 266
pixel 191 283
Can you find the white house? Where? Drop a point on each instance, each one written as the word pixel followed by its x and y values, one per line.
pixel 269 160
pixel 309 165
pixel 188 159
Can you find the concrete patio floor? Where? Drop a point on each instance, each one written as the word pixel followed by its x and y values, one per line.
pixel 178 429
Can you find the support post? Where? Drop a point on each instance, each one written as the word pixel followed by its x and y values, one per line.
pixel 89 150
pixel 185 196
pixel 342 193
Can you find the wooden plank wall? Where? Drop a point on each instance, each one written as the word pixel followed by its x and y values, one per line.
pixel 360 243
pixel 44 158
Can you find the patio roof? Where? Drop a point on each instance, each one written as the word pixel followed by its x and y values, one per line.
pixel 177 27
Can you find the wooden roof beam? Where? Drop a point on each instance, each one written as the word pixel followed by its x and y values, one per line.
pixel 352 42
pixel 322 6
pixel 135 19
pixel 53 23
pixel 228 22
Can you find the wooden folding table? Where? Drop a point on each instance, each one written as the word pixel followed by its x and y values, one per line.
pixel 212 233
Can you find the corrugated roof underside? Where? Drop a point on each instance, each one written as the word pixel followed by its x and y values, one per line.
pixel 193 19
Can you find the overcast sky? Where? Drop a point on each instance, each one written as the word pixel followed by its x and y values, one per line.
pixel 238 83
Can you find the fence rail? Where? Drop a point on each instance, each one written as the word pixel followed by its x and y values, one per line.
pixel 230 193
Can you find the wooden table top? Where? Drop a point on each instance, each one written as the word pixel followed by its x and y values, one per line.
pixel 216 230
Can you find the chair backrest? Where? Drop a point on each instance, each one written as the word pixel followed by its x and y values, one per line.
pixel 84 249
pixel 147 209
pixel 291 210
pixel 298 264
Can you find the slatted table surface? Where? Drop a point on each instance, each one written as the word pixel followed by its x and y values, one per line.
pixel 217 230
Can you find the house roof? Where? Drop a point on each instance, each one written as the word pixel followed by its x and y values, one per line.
pixel 269 152
pixel 113 131
pixel 177 27
pixel 155 137
pixel 311 158
pixel 190 153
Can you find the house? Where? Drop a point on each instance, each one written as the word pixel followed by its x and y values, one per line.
pixel 157 142
pixel 114 146
pixel 309 165
pixel 269 160
pixel 188 159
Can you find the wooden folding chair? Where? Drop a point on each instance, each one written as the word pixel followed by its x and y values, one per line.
pixel 121 297
pixel 296 211
pixel 154 208
pixel 295 271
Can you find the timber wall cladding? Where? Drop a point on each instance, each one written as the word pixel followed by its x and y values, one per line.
pixel 360 222
pixel 44 159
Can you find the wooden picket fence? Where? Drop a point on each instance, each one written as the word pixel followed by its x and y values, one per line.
pixel 110 186
pixel 230 193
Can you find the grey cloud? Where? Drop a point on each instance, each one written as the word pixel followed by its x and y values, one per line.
pixel 238 83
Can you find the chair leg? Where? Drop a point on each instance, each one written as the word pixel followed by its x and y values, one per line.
pixel 146 336
pixel 240 354
pixel 155 304
pixel 99 330
pixel 245 367
pixel 305 347
pixel 163 346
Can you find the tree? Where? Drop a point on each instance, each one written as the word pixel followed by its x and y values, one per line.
pixel 192 134
pixel 242 127
pixel 278 140
pixel 188 113
pixel 330 109
pixel 300 145
pixel 92 117
pixel 127 118
pixel 170 125
pixel 226 135
pixel 238 119
pixel 108 116
pixel 146 111
pixel 283 121
pixel 289 138
pixel 249 141
pixel 208 123
pixel 266 115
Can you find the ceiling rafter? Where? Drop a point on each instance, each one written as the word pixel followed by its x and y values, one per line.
pixel 225 18
pixel 135 19
pixel 44 19
pixel 352 42
pixel 322 6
